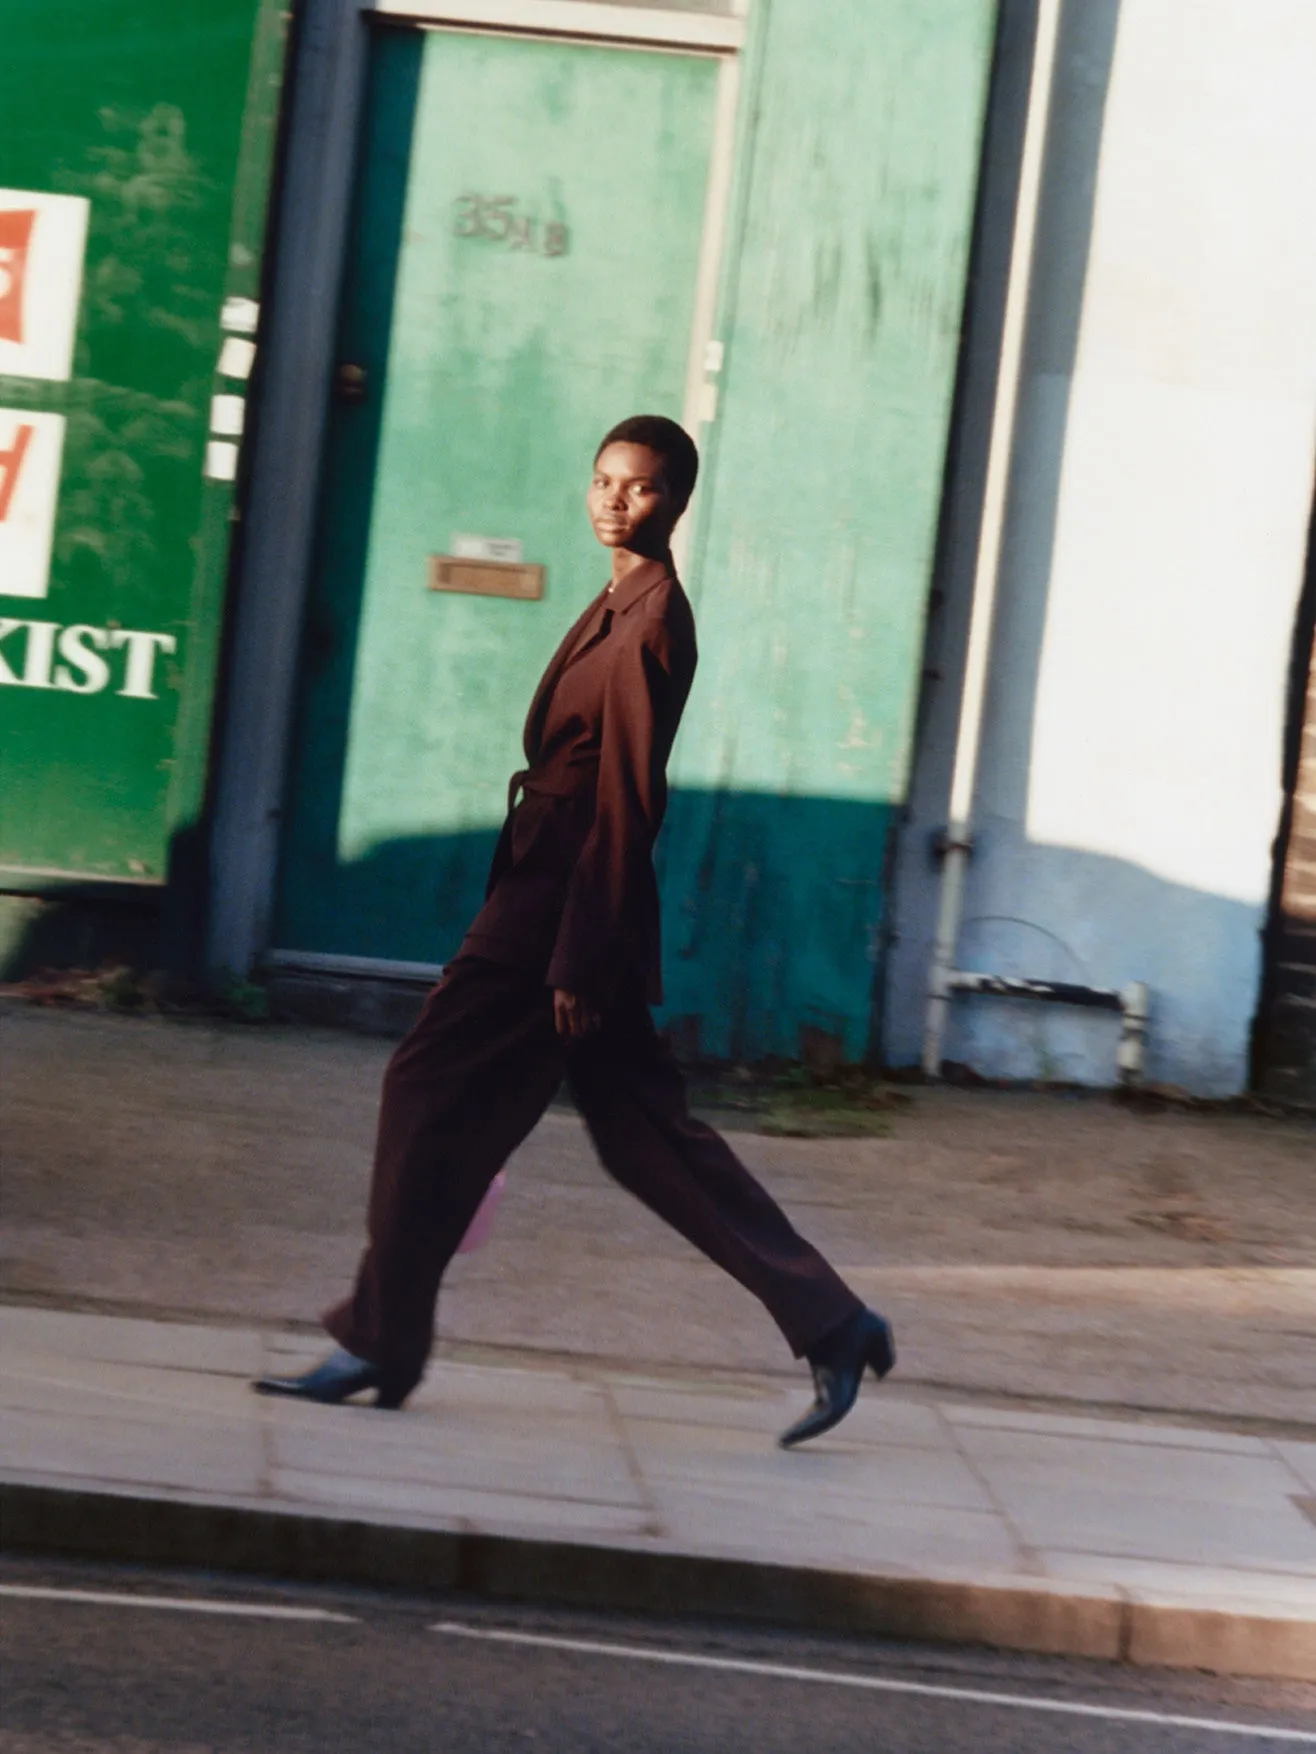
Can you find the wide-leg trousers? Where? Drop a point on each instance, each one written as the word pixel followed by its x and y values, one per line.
pixel 466 1087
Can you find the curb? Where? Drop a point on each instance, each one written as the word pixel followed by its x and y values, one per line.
pixel 1046 1619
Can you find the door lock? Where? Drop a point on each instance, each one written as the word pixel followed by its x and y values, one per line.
pixel 350 383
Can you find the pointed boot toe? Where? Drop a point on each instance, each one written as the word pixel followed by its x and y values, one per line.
pixel 864 1342
pixel 336 1379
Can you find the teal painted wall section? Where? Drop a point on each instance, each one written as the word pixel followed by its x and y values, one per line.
pixel 497 351
pixel 506 367
pixel 812 556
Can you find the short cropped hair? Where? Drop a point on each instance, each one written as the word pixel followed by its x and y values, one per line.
pixel 669 441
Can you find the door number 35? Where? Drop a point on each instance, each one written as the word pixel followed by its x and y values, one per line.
pixel 495 219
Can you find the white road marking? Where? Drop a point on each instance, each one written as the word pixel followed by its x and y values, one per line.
pixel 874 1683
pixel 179 1604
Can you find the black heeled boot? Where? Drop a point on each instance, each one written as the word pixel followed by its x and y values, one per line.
pixel 863 1341
pixel 337 1379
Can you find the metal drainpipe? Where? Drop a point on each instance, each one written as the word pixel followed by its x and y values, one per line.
pixel 959 834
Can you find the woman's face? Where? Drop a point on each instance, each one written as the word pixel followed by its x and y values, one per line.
pixel 629 503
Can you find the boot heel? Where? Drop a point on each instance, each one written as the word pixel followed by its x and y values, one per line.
pixel 882 1352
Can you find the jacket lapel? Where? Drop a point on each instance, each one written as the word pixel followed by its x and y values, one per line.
pixel 599 633
pixel 639 583
pixel 636 585
pixel 534 724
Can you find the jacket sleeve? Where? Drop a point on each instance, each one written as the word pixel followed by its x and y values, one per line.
pixel 613 892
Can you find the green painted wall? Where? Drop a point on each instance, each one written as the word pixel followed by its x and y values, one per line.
pixel 841 308
pixel 162 117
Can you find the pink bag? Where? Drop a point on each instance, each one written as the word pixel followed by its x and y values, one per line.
pixel 477 1233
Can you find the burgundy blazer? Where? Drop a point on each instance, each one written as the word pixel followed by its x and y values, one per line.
pixel 572 892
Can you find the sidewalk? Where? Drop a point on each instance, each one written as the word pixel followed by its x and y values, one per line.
pixel 1064 1250
pixel 1101 1438
pixel 923 1517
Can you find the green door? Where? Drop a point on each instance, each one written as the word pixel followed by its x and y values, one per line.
pixel 526 240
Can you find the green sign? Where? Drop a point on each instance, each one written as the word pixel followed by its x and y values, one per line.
pixel 134 164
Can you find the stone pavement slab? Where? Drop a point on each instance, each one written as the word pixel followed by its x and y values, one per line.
pixel 1168 1543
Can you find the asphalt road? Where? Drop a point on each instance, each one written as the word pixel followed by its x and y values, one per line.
pixel 113 1658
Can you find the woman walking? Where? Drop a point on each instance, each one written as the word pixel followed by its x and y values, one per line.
pixel 555 977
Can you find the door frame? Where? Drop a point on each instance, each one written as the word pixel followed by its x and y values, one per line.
pixel 295 343
pixel 588 20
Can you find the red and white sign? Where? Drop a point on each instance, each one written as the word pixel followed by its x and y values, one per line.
pixel 42 242
pixel 31 446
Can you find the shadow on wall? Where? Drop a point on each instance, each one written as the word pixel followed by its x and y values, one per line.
pixel 89 923
pixel 772 921
pixel 1077 902
pixel 79 928
pixel 772 915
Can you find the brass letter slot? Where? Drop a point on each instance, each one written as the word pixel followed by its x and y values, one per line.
pixel 486 578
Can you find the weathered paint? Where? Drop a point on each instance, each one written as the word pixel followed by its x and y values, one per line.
pixel 509 341
pixel 858 162
pixel 158 121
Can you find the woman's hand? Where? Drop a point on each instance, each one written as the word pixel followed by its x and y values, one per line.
pixel 573 1015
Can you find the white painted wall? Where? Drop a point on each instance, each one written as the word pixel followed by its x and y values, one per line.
pixel 1129 784
pixel 1188 453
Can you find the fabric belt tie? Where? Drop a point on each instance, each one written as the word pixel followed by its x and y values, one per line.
pixel 566 785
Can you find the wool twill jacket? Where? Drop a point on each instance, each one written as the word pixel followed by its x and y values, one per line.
pixel 572 892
